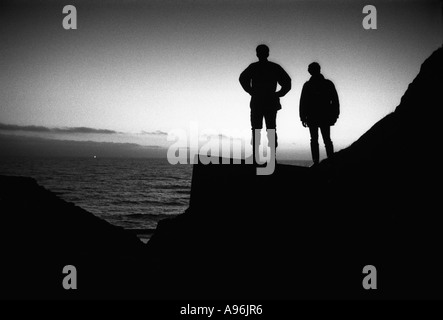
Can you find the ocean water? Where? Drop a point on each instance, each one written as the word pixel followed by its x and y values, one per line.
pixel 132 193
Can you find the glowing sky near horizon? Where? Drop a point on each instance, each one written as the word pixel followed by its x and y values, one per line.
pixel 135 66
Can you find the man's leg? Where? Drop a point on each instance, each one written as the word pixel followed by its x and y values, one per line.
pixel 271 123
pixel 313 130
pixel 271 130
pixel 256 126
pixel 326 134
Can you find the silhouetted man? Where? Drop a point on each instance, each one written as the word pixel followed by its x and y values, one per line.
pixel 260 81
pixel 319 108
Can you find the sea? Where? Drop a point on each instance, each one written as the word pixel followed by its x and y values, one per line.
pixel 131 193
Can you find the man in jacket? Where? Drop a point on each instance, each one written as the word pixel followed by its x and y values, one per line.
pixel 319 108
pixel 260 80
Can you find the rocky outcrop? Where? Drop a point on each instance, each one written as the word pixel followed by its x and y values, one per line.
pixel 308 233
pixel 40 234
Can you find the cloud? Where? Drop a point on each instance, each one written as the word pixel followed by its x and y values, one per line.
pixel 216 136
pixel 13 127
pixel 16 146
pixel 84 130
pixel 155 133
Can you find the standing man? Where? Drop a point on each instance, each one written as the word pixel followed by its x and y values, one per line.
pixel 319 108
pixel 260 80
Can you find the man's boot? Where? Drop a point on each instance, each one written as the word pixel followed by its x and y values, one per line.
pixel 315 151
pixel 272 142
pixel 329 149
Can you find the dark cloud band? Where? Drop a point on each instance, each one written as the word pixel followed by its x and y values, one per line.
pixel 155 133
pixel 13 127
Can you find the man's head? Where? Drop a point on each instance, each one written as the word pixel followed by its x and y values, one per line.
pixel 262 52
pixel 314 68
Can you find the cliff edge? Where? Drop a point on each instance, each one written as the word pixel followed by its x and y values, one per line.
pixel 308 233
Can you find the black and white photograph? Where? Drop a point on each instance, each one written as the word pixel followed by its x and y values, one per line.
pixel 221 155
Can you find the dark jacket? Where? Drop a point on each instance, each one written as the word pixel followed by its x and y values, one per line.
pixel 260 81
pixel 319 104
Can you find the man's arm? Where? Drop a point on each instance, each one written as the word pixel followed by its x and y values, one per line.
pixel 285 82
pixel 334 101
pixel 245 80
pixel 303 105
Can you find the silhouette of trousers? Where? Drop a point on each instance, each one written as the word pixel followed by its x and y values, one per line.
pixel 326 134
pixel 257 115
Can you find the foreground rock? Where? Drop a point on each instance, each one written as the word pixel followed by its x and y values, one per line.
pixel 308 233
pixel 40 234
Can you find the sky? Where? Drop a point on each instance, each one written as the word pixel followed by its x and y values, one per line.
pixel 133 71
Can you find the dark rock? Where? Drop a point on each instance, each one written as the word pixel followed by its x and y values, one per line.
pixel 40 234
pixel 308 233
